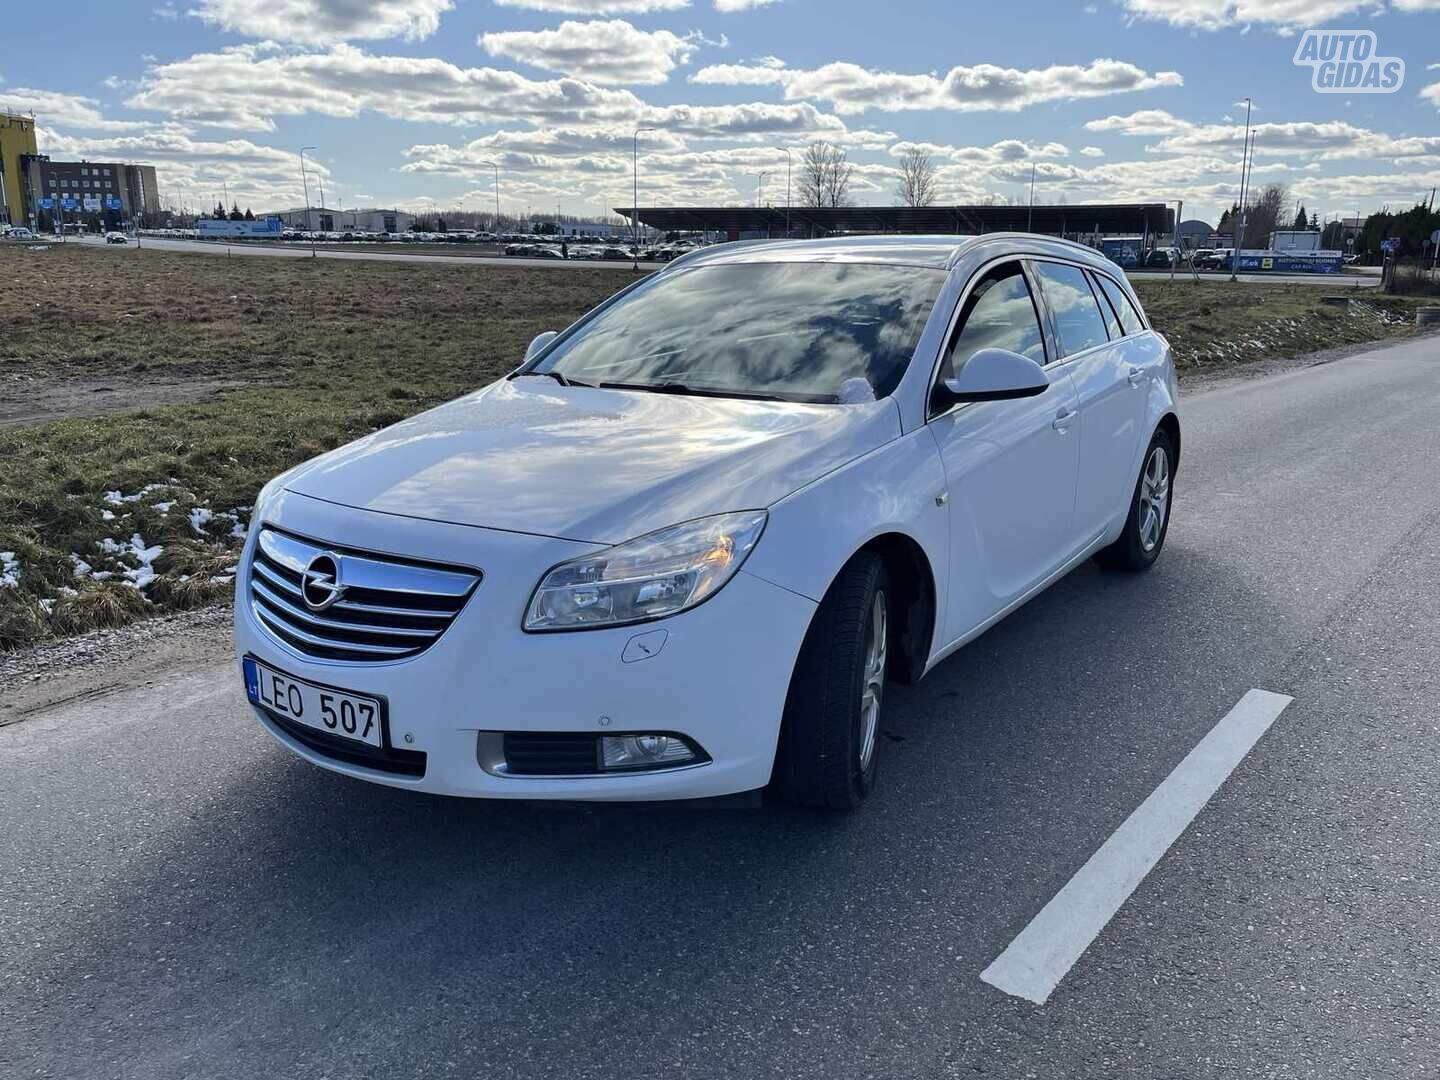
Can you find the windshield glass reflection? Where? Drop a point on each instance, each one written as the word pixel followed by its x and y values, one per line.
pixel 798 331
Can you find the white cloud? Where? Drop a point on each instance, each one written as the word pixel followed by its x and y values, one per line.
pixel 741 5
pixel 67 110
pixel 1092 151
pixel 1431 94
pixel 1323 140
pixel 851 88
pixel 325 21
pixel 1283 15
pixel 607 53
pixel 262 176
pixel 247 86
pixel 1006 150
pixel 597 7
pixel 1143 122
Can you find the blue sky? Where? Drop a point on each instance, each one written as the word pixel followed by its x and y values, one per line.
pixel 407 99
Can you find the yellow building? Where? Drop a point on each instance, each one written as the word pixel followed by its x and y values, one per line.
pixel 17 137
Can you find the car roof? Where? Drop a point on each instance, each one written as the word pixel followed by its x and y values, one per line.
pixel 940 252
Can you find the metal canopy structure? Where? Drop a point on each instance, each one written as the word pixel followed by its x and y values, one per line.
pixel 1131 219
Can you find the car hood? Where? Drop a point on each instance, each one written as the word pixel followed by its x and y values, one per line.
pixel 601 466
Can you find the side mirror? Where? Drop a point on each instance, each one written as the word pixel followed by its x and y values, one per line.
pixel 993 375
pixel 541 340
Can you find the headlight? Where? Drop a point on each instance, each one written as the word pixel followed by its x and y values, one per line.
pixel 647 578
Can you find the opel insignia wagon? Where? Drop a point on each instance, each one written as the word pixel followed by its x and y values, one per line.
pixel 682 549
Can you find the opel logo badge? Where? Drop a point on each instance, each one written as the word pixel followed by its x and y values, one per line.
pixel 320 585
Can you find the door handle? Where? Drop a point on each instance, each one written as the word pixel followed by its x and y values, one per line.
pixel 1136 374
pixel 1061 423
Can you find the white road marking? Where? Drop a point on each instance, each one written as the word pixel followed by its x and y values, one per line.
pixel 1035 962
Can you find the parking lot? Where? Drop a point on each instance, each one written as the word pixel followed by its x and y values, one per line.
pixel 183 897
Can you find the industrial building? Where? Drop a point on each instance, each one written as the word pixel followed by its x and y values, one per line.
pixel 1152 222
pixel 321 219
pixel 17 143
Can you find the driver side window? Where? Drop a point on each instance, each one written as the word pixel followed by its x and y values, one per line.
pixel 999 314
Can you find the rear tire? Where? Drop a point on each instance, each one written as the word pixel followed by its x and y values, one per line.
pixel 1149 518
pixel 830 735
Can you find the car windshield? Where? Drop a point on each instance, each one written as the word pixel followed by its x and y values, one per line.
pixel 821 332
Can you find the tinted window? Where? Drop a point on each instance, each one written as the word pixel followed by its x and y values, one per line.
pixel 1129 317
pixel 793 330
pixel 999 314
pixel 1077 315
pixel 1112 324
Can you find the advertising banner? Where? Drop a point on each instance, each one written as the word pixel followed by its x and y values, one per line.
pixel 92 202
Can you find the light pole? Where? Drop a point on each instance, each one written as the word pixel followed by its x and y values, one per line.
pixel 306 182
pixel 1240 217
pixel 497 195
pixel 1030 214
pixel 635 198
pixel 788 162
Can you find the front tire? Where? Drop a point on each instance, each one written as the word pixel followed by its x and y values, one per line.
pixel 1149 518
pixel 830 735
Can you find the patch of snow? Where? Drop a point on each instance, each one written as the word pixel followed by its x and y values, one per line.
pixel 138 576
pixel 82 568
pixel 198 519
pixel 9 570
pixel 47 605
pixel 107 515
pixel 163 507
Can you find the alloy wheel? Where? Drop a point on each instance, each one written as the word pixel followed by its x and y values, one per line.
pixel 1154 498
pixel 876 638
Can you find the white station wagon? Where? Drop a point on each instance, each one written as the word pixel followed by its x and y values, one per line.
pixel 680 551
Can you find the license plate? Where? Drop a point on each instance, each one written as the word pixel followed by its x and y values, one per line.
pixel 324 708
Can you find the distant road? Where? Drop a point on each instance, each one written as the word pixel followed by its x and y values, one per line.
pixel 1328 281
pixel 297 251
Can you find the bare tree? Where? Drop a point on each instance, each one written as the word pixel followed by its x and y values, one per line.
pixel 1265 214
pixel 916 185
pixel 825 176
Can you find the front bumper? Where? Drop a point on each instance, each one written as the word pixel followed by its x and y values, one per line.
pixel 720 677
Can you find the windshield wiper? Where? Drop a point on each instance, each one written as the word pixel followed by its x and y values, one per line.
pixel 561 379
pixel 671 387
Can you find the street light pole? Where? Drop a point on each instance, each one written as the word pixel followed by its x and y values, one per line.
pixel 1240 216
pixel 497 195
pixel 788 163
pixel 635 198
pixel 1030 214
pixel 304 180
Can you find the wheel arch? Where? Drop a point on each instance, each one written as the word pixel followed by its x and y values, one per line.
pixel 1170 424
pixel 912 605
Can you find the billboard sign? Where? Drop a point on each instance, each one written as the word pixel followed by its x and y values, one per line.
pixel 92 202
pixel 47 203
pixel 269 227
pixel 68 203
pixel 113 202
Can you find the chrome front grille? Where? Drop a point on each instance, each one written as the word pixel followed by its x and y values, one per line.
pixel 335 603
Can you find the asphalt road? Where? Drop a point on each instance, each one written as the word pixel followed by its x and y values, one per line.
pixel 179 897
pixel 299 251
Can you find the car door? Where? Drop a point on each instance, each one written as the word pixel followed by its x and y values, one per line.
pixel 1010 466
pixel 1110 400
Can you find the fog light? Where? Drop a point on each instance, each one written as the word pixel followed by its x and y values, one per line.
pixel 643 751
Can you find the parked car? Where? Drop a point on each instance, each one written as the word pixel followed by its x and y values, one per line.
pixel 1208 259
pixel 1160 257
pixel 19 233
pixel 116 238
pixel 682 549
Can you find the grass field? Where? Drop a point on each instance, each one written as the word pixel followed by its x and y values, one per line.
pixel 108 516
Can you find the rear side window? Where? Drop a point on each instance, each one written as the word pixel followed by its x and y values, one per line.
pixel 1112 324
pixel 999 314
pixel 1077 313
pixel 1129 317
